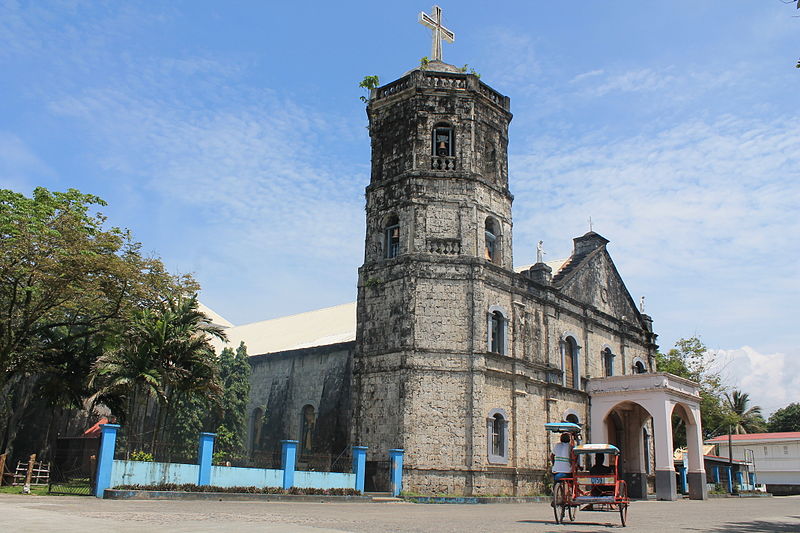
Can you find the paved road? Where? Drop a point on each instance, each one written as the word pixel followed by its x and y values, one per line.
pixel 73 514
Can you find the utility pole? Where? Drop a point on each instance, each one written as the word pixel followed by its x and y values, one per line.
pixel 730 447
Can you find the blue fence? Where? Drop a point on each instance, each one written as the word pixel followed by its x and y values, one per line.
pixel 149 473
pixel 112 473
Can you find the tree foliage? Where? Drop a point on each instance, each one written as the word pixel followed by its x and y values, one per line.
pixel 163 354
pixel 691 359
pixel 368 83
pixel 785 419
pixel 86 319
pixel 721 409
pixel 70 287
pixel 743 417
pixel 235 380
pixel 65 277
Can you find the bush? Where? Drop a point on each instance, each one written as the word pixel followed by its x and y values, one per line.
pixel 188 487
pixel 719 488
pixel 138 455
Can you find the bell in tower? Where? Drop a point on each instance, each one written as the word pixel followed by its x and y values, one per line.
pixel 443 141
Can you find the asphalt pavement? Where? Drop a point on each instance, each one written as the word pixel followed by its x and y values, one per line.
pixel 67 514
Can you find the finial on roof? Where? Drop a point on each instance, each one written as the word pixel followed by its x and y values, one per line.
pixel 434 22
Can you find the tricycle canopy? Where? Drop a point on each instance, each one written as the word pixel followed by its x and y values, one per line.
pixel 596 448
pixel 562 427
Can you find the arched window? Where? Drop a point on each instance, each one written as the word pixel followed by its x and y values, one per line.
pixel 573 418
pixel 497 331
pixel 639 367
pixel 442 141
pixel 491 241
pixel 498 428
pixel 608 362
pixel 570 358
pixel 391 237
pixel 497 436
pixel 307 433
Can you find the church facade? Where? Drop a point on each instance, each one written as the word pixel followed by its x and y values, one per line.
pixel 451 353
pixel 459 359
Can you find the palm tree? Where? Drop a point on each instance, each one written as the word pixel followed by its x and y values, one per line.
pixel 129 373
pixel 189 362
pixel 744 419
pixel 162 355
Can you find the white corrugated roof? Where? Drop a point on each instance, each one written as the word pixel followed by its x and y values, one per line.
pixel 320 327
pixel 216 319
pixel 305 330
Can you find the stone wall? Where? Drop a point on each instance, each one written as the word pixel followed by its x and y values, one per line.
pixel 283 383
pixel 424 379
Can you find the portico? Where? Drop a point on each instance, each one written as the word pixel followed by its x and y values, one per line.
pixel 620 408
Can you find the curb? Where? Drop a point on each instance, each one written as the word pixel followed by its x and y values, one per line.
pixel 471 500
pixel 760 495
pixel 116 494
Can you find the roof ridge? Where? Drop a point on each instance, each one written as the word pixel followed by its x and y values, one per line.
pixel 296 314
pixel 573 261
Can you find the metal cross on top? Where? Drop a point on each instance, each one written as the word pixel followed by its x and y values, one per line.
pixel 434 22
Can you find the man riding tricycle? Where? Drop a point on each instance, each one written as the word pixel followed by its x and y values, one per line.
pixel 598 488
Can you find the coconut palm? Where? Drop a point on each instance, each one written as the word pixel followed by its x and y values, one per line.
pixel 744 419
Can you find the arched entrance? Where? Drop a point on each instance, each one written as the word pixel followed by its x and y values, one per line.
pixel 624 428
pixel 621 406
pixel 694 443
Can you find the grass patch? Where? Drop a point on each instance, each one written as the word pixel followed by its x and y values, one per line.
pixel 37 490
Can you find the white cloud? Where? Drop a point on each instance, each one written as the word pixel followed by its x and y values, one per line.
pixel 675 85
pixel 214 173
pixel 585 75
pixel 510 58
pixel 260 171
pixel 711 191
pixel 702 218
pixel 633 81
pixel 771 379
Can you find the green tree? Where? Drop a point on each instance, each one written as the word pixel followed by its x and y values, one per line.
pixel 68 284
pixel 58 267
pixel 225 415
pixel 785 419
pixel 691 359
pixel 164 356
pixel 368 83
pixel 743 418
pixel 188 418
pixel 235 378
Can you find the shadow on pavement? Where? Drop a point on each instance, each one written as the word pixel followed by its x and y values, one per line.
pixel 757 526
pixel 567 524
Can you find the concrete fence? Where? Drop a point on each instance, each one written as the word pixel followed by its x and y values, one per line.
pixel 112 472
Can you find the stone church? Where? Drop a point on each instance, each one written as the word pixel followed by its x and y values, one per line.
pixel 451 353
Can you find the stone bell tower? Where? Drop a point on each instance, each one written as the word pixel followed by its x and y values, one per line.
pixel 438 214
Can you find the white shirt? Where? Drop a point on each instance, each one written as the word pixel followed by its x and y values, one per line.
pixel 561 463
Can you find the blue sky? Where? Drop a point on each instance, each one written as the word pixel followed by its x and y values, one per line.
pixel 230 138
